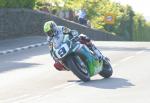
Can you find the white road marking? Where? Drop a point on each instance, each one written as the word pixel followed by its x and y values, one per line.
pixel 114 64
pixel 45 94
pixel 139 52
pixel 14 98
pixel 73 84
pixel 27 99
pixel 61 86
pixel 24 98
pixel 126 59
pixel 23 48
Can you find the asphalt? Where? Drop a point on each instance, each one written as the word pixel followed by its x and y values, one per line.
pixel 28 76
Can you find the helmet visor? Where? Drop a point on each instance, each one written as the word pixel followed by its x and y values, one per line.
pixel 50 33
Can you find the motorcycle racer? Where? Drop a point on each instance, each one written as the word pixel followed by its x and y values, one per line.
pixel 55 36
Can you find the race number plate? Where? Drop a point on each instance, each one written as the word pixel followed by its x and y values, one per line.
pixel 62 51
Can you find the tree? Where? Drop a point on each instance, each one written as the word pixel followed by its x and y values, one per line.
pixel 128 24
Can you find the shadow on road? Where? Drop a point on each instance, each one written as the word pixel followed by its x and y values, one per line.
pixel 14 61
pixel 110 83
pixel 15 65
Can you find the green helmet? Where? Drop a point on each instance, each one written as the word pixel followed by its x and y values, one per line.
pixel 50 27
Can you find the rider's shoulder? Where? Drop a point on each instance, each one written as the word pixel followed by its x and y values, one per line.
pixel 61 27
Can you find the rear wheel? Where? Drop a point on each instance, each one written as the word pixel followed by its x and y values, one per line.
pixel 107 70
pixel 78 67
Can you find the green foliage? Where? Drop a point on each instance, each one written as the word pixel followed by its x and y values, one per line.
pixel 60 4
pixel 17 3
pixel 141 29
pixel 146 32
pixel 128 24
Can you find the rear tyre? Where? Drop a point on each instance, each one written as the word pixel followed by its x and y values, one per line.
pixel 78 67
pixel 107 70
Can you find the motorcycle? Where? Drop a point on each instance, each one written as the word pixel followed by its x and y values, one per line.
pixel 79 59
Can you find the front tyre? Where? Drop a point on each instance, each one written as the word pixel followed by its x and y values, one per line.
pixel 107 69
pixel 78 67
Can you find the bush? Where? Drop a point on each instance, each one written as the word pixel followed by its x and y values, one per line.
pixel 17 3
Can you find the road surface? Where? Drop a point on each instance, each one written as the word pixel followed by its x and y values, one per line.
pixel 28 76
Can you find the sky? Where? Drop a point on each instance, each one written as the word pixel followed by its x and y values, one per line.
pixel 140 6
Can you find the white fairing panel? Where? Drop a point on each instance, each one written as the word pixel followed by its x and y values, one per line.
pixel 62 51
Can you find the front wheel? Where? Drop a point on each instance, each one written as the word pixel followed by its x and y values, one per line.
pixel 107 69
pixel 78 67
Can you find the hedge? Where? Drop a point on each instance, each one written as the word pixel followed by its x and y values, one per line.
pixel 17 4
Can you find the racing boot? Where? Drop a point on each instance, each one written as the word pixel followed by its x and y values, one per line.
pixel 97 53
